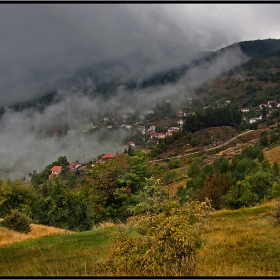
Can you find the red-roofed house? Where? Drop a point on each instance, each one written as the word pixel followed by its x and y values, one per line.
pixel 56 170
pixel 74 165
pixel 161 135
pixel 132 144
pixel 169 133
pixel 107 157
pixel 153 134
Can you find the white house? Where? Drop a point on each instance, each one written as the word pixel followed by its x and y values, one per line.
pixel 132 144
pixel 161 135
pixel 271 104
pixel 56 170
pixel 180 122
pixel 127 126
pixel 152 128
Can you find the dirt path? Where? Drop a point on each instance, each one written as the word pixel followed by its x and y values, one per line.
pixel 207 150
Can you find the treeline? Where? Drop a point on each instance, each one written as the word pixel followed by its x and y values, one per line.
pixel 212 117
pixel 115 189
pixel 77 202
pixel 243 181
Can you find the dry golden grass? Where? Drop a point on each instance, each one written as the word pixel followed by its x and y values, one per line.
pixel 106 225
pixel 10 236
pixel 273 155
pixel 241 243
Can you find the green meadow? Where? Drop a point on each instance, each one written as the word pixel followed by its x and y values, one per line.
pixel 241 242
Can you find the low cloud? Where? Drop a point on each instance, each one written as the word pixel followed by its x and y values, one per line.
pixel 25 136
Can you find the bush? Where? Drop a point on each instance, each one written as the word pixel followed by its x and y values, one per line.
pixel 174 163
pixel 166 244
pixel 16 221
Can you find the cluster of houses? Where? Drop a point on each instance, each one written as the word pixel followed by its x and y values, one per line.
pixel 270 104
pixel 57 169
pixel 159 135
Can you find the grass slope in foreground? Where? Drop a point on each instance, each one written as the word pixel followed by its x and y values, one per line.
pixel 240 242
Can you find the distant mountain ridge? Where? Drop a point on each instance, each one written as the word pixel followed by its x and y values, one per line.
pixel 253 49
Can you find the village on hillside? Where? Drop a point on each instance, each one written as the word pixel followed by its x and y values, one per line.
pixel 152 134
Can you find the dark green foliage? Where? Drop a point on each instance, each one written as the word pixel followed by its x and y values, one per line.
pixel 170 177
pixel 243 168
pixel 130 151
pixel 150 199
pixel 174 163
pixel 260 156
pixel 194 169
pixel 211 117
pixel 16 195
pixel 208 169
pixel 64 208
pixel 263 141
pixel 264 112
pixel 221 165
pixel 276 168
pixel 239 195
pixel 182 194
pixel 259 47
pixel 16 221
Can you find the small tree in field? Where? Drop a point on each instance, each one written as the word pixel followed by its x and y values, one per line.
pixel 16 221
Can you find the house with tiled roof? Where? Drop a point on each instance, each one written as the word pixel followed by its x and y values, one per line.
pixel 132 144
pixel 56 170
pixel 161 135
pixel 107 157
pixel 153 134
pixel 74 165
pixel 169 133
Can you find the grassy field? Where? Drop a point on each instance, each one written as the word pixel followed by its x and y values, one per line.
pixel 243 242
pixel 272 155
pixel 56 255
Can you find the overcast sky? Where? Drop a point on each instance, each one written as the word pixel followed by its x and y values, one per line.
pixel 41 43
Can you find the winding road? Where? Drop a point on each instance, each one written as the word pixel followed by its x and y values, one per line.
pixel 210 149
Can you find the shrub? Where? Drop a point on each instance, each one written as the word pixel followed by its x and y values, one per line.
pixel 167 245
pixel 16 221
pixel 174 163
